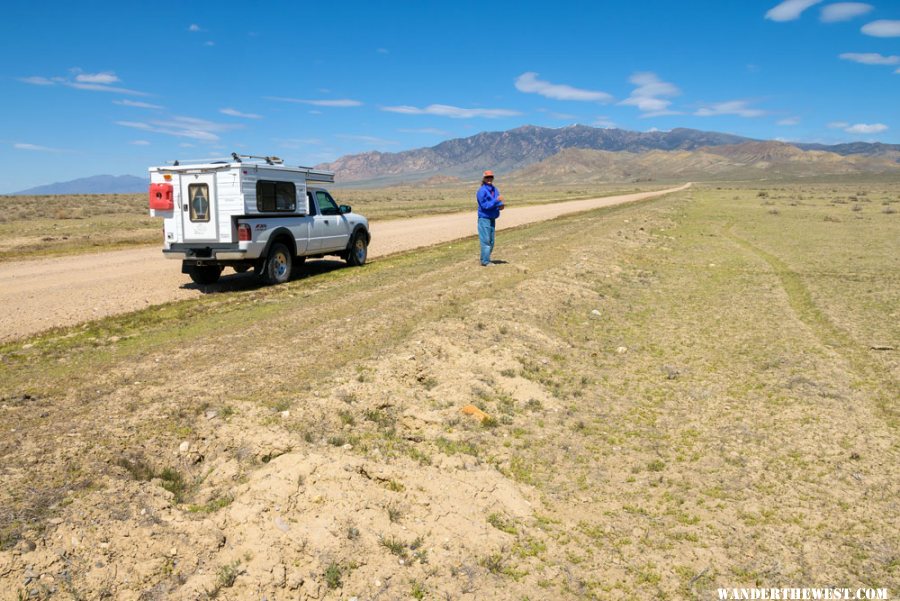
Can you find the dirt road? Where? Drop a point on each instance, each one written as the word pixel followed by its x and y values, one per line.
pixel 41 294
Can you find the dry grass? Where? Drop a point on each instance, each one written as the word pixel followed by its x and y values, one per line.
pixel 687 398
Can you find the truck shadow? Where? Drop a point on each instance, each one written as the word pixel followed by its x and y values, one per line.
pixel 238 282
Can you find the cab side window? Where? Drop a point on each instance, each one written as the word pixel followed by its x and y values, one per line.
pixel 312 205
pixel 276 197
pixel 327 206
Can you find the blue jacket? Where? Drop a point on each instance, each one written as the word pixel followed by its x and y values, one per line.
pixel 488 203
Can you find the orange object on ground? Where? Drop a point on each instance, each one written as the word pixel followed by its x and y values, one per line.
pixel 475 412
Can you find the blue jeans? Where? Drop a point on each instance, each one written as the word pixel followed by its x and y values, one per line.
pixel 486 237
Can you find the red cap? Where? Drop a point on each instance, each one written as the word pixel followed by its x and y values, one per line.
pixel 488 174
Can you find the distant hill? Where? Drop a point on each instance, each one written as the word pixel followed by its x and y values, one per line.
pixel 745 161
pixel 507 151
pixel 512 150
pixel 97 184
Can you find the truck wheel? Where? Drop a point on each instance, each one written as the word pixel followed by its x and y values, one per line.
pixel 359 250
pixel 205 274
pixel 277 268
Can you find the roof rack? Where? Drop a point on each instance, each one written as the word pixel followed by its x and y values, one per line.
pixel 312 174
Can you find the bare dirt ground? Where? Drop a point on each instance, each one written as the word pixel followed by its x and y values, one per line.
pixel 45 293
pixel 693 392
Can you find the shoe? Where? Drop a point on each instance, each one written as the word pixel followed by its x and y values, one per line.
pixel 487 264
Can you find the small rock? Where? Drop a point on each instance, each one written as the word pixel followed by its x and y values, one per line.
pixel 173 552
pixel 212 414
pixel 595 312
pixel 377 583
pixel 279 575
pixel 26 546
pixel 285 414
pixel 281 524
pixel 56 521
pixel 622 350
pixel 347 447
pixel 184 447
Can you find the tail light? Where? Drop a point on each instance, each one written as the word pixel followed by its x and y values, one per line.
pixel 244 234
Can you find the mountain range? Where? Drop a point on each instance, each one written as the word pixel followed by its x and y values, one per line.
pixel 515 149
pixel 745 161
pixel 577 153
pixel 97 184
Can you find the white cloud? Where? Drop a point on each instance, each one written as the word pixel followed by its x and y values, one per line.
pixel 96 87
pixel 236 113
pixel 844 11
pixel 882 29
pixel 732 107
pixel 789 10
pixel 37 80
pixel 194 27
pixel 184 127
pixel 140 143
pixel 859 128
pixel 137 104
pixel 209 43
pixel 870 58
pixel 530 84
pixel 454 112
pixel 789 121
pixel 866 128
pixel 432 131
pixel 95 82
pixel 603 122
pixel 647 96
pixel 105 78
pixel 340 103
pixel 382 51
pixel 36 148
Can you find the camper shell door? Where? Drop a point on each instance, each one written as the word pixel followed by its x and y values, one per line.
pixel 199 214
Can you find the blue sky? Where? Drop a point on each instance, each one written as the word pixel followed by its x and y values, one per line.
pixel 115 87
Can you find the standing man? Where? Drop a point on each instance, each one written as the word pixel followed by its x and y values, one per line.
pixel 490 203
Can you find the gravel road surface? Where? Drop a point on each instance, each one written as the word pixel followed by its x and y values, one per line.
pixel 39 294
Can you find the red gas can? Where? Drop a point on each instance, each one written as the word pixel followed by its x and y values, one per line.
pixel 161 197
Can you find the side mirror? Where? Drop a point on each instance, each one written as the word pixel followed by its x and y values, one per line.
pixel 344 209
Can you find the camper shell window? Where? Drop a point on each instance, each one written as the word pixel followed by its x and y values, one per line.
pixel 276 196
pixel 198 199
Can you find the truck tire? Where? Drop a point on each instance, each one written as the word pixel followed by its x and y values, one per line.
pixel 277 267
pixel 359 250
pixel 205 274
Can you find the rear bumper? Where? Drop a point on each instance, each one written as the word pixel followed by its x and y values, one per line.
pixel 206 254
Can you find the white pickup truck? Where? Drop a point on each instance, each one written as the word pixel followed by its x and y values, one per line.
pixel 252 212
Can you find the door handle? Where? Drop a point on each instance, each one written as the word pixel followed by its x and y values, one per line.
pixel 185 207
